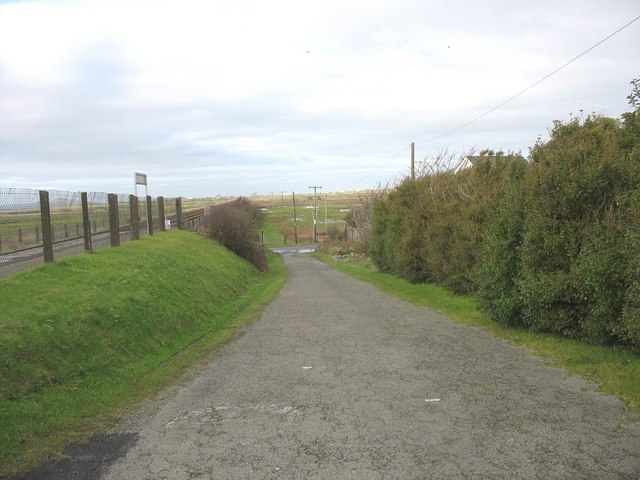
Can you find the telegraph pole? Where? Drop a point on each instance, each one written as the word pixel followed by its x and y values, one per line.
pixel 413 169
pixel 295 218
pixel 315 210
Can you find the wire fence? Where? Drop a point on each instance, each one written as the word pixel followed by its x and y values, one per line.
pixel 38 226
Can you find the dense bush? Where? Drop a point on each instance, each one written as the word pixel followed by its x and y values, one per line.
pixel 430 229
pixel 235 225
pixel 501 263
pixel 563 257
pixel 551 244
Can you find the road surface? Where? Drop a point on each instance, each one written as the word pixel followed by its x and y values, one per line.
pixel 340 381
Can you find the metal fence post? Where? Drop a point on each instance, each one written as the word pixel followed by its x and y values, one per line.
pixel 47 233
pixel 114 227
pixel 86 223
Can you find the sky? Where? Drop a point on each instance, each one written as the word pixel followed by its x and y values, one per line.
pixel 235 97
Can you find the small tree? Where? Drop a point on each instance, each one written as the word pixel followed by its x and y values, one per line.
pixel 235 225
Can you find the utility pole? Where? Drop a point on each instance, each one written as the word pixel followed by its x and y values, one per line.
pixel 315 210
pixel 295 219
pixel 413 169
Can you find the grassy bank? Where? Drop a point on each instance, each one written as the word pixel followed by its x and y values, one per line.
pixel 82 338
pixel 615 369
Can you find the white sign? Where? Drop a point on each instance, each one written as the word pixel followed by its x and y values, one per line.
pixel 140 178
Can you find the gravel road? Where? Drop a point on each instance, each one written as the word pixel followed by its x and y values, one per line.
pixel 340 381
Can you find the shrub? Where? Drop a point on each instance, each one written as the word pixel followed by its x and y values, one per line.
pixel 235 225
pixel 629 328
pixel 551 244
pixel 431 229
pixel 562 253
pixel 574 253
pixel 500 264
pixel 336 234
pixel 385 229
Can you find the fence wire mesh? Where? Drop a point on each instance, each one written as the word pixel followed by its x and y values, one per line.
pixel 23 241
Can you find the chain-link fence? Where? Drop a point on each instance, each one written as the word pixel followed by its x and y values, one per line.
pixel 38 226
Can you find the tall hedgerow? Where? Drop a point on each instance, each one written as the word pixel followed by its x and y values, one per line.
pixel 551 244
pixel 574 275
pixel 629 215
pixel 389 216
pixel 431 229
pixel 562 252
pixel 500 262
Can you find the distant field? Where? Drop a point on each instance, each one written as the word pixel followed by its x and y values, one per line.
pixel 21 229
pixel 281 225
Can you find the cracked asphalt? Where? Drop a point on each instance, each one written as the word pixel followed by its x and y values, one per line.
pixel 338 380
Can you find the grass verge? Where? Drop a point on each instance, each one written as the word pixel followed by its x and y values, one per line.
pixel 83 338
pixel 616 370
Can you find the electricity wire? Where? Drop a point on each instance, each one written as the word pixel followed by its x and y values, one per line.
pixel 460 127
pixel 502 104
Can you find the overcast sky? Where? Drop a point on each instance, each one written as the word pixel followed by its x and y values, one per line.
pixel 212 97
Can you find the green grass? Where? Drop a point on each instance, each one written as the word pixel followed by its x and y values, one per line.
pixel 615 369
pixel 83 338
pixel 272 234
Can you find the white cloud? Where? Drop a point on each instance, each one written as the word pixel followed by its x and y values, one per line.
pixel 232 97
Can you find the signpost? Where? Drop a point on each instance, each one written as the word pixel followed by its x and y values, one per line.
pixel 141 179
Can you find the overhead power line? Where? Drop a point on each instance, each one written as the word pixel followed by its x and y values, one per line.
pixel 491 110
pixel 460 127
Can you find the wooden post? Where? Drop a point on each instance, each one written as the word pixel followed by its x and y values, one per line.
pixel 149 216
pixel 86 223
pixel 179 213
pixel 295 219
pixel 114 226
pixel 135 217
pixel 161 213
pixel 47 233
